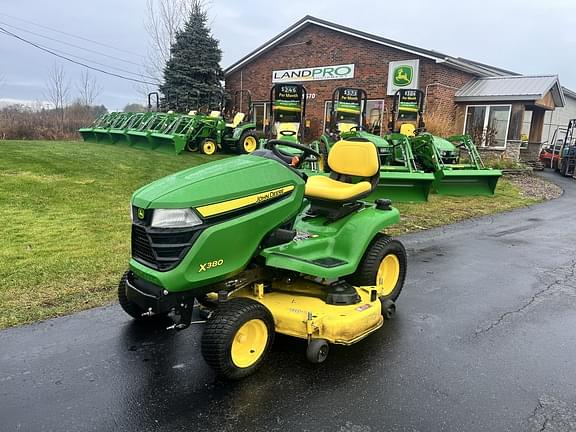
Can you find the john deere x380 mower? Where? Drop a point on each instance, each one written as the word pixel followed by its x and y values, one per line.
pixel 268 251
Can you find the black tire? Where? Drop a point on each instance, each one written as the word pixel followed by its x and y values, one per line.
pixel 388 309
pixel 130 308
pixel 367 271
pixel 192 146
pixel 220 333
pixel 242 147
pixel 317 351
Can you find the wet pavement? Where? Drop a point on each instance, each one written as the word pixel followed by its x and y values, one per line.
pixel 484 340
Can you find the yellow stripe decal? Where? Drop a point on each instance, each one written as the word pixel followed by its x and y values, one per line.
pixel 238 203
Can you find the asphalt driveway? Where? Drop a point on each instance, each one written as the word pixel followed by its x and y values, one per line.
pixel 484 340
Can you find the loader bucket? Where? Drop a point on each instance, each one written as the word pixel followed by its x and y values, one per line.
pixel 168 143
pixel 466 182
pixel 87 134
pixel 403 186
pixel 139 139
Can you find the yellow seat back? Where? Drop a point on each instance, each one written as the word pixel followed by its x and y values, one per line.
pixel 354 158
pixel 345 126
pixel 193 113
pixel 286 127
pixel 238 118
pixel 408 129
pixel 215 113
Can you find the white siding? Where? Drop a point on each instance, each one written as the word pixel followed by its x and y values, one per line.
pixel 558 117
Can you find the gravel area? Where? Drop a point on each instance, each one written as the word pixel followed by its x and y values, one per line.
pixel 535 187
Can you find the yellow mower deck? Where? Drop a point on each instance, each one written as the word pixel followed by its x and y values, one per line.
pixel 299 310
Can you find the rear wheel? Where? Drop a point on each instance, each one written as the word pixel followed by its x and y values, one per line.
pixel 208 147
pixel 384 265
pixel 247 143
pixel 237 338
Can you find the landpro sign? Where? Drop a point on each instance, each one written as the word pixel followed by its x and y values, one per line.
pixel 319 73
pixel 403 75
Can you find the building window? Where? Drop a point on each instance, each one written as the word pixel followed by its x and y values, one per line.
pixel 374 115
pixel 525 134
pixel 488 124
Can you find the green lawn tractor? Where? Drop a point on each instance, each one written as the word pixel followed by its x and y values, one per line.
pixel 266 251
pixel 400 178
pixel 455 162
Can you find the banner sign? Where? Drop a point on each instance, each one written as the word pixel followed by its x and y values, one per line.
pixel 319 73
pixel 403 75
pixel 409 100
pixel 349 101
pixel 288 97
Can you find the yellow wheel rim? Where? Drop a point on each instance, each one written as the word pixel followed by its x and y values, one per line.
pixel 250 144
pixel 388 274
pixel 209 147
pixel 249 343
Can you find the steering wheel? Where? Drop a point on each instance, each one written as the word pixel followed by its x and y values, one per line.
pixel 288 158
pixel 354 128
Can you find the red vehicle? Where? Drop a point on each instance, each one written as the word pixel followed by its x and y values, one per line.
pixel 549 156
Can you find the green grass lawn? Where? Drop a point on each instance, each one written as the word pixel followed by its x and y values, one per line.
pixel 65 226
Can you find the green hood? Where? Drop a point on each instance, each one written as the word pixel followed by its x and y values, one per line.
pixel 216 182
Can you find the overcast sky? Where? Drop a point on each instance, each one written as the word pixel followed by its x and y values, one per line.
pixel 525 36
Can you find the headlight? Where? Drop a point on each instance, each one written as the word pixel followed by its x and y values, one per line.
pixel 174 218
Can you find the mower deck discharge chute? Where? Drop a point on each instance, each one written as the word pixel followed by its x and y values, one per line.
pixel 261 258
pixel 400 179
pixel 455 162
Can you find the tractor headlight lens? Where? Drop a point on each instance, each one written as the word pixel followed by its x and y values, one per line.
pixel 175 218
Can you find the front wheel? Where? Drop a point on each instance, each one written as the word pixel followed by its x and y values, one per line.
pixel 237 338
pixel 247 143
pixel 384 265
pixel 192 146
pixel 208 147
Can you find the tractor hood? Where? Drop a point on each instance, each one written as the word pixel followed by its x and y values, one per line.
pixel 378 141
pixel 218 182
pixel 443 145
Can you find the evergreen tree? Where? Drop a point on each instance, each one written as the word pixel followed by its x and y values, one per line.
pixel 194 64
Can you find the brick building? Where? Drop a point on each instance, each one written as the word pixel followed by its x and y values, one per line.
pixel 323 56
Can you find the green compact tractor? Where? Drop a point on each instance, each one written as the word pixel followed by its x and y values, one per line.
pixel 400 177
pixel 287 110
pixel 266 250
pixel 238 136
pixel 455 162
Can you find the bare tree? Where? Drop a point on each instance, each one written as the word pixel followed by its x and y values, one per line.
pixel 57 90
pixel 88 88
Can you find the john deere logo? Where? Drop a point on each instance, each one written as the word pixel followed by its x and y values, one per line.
pixel 140 213
pixel 403 76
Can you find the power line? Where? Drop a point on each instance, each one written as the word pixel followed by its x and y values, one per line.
pixel 70 44
pixel 73 35
pixel 9 33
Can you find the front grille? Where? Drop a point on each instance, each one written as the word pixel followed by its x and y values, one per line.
pixel 161 250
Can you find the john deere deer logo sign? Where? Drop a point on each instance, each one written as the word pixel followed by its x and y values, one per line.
pixel 403 74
